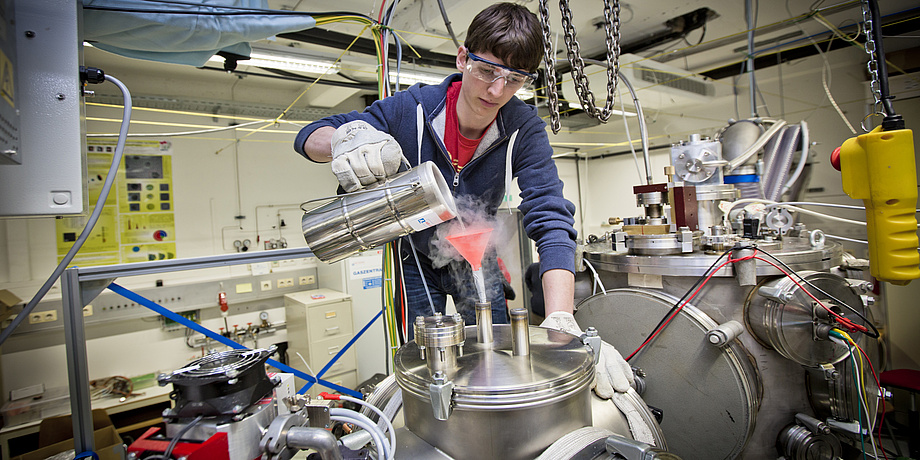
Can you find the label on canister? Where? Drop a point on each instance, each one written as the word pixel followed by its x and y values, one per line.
pixel 424 220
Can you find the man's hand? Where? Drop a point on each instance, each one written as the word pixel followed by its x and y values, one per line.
pixel 362 155
pixel 613 374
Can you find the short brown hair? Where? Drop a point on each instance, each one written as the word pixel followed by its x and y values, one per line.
pixel 509 31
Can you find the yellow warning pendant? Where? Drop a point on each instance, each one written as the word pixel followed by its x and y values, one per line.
pixel 879 168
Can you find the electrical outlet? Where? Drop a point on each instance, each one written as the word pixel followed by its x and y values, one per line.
pixel 286 282
pixel 42 316
pixel 88 310
pixel 305 280
pixel 266 285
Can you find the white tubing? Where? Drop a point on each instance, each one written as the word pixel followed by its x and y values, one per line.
pixel 356 440
pixel 381 415
pixel 376 436
pixel 801 166
pixel 758 144
pixel 356 418
pixel 795 208
pixel 597 279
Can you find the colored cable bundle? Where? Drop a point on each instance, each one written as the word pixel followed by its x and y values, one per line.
pixel 842 338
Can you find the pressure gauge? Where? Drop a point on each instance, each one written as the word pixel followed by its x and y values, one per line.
pixel 263 316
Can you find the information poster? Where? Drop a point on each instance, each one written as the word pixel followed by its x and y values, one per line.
pixel 137 223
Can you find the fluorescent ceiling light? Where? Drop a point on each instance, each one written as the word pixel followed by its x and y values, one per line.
pixel 411 78
pixel 525 94
pixel 282 62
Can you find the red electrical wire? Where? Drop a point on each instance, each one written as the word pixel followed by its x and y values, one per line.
pixel 681 307
pixel 380 14
pixel 851 326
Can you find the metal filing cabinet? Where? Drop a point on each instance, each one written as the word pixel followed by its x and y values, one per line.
pixel 319 325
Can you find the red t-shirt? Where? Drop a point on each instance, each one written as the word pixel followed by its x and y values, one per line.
pixel 461 149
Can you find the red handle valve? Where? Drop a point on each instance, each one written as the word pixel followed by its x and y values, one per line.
pixel 222 300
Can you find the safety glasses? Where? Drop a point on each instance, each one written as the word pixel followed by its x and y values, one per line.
pixel 489 71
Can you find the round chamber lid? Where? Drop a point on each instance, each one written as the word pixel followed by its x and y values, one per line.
pixel 491 378
pixel 709 395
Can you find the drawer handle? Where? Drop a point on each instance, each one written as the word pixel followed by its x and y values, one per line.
pixel 332 350
pixel 332 329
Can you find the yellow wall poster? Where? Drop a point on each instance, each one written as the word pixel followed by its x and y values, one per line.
pixel 137 223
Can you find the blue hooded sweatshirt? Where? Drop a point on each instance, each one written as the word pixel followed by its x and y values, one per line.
pixel 548 216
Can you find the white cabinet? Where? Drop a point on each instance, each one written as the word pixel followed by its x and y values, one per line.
pixel 319 325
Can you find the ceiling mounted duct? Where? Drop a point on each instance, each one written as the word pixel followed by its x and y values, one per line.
pixel 661 86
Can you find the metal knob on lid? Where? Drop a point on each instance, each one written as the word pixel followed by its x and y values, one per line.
pixel 484 323
pixel 440 341
pixel 520 332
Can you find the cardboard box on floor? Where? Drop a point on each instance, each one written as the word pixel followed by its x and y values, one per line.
pixel 55 435
pixel 7 300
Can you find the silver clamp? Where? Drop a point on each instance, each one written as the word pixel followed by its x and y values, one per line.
pixel 618 241
pixel 685 238
pixel 441 392
pixel 592 339
pixel 776 294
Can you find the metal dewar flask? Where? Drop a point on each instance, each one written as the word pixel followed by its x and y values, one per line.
pixel 408 202
pixel 503 406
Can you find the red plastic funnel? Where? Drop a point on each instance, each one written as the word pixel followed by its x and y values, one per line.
pixel 471 244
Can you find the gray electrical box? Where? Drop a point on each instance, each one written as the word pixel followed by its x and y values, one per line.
pixel 41 116
pixel 9 111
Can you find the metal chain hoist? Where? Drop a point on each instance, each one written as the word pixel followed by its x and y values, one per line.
pixel 573 49
pixel 875 85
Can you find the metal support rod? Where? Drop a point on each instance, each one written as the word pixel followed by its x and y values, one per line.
pixel 520 332
pixel 77 363
pixel 191 263
pixel 643 129
pixel 749 12
pixel 484 322
pixel 318 439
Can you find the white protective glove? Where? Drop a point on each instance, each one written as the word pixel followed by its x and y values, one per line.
pixel 363 155
pixel 613 373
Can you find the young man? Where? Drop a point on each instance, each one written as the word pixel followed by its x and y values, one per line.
pixel 475 131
